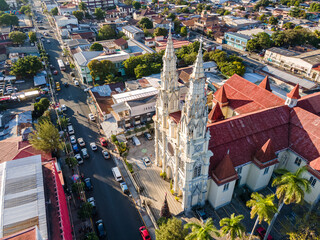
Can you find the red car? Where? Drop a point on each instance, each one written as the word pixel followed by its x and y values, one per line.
pixel 55 72
pixel 261 232
pixel 103 142
pixel 144 233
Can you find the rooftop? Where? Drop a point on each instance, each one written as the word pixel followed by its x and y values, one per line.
pixel 134 95
pixel 132 29
pixel 283 51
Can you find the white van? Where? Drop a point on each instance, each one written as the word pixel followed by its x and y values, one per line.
pixel 136 141
pixel 70 130
pixel 117 174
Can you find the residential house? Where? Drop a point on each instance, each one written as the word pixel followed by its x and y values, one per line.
pixel 133 32
pixel 4 33
pixel 236 40
pixel 206 21
pixel 138 15
pixel 240 23
pixel 159 22
pixel 124 10
pixel 67 8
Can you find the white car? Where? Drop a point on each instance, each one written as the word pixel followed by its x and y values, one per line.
pixel 76 82
pixel 63 107
pixel 79 158
pixel 146 161
pixel 91 117
pixel 73 139
pixel 81 142
pixel 105 154
pixel 85 153
pixel 92 201
pixel 48 41
pixel 93 146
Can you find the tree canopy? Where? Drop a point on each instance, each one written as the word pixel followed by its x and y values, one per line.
pixel 184 32
pixel 32 36
pixel 9 20
pixel 202 231
pixel 26 9
pixel 4 5
pixel 107 32
pixel 46 137
pixel 136 5
pixel 171 230
pixel 17 37
pixel 146 23
pixel 78 14
pixel 260 41
pixel 99 13
pixel 273 20
pixel 232 227
pixel 26 66
pixel 54 11
pixel 100 70
pixel 160 32
pixel 40 107
pixel 96 47
pixel 83 6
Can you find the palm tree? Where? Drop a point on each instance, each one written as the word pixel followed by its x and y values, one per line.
pixel 263 207
pixel 291 188
pixel 202 231
pixel 83 6
pixel 232 226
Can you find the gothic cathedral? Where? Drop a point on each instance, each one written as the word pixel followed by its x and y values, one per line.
pixel 181 135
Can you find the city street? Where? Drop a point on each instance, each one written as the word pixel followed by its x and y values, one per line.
pixel 120 217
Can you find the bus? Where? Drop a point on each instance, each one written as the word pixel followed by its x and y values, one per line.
pixel 61 65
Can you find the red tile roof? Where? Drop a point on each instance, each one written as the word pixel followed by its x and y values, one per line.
pixel 27 234
pixel 266 155
pixel 221 96
pixel 246 97
pixel 175 116
pixel 215 114
pixel 310 103
pixel 294 94
pixel 120 42
pixel 265 84
pixel 224 171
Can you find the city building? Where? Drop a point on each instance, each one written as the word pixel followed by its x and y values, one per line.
pixel 133 32
pixel 92 4
pixel 248 133
pixel 236 40
pixel 67 9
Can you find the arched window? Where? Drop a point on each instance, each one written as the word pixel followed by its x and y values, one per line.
pixel 197 170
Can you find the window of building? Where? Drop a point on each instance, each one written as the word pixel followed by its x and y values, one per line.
pixel 297 161
pixel 239 170
pixel 197 171
pixel 226 187
pixel 312 181
pixel 266 170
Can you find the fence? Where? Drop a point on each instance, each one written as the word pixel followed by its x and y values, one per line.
pixel 130 176
pixel 151 216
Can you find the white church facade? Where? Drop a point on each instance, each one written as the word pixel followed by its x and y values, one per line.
pixel 240 141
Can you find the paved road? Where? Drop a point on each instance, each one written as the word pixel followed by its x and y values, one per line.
pixel 117 210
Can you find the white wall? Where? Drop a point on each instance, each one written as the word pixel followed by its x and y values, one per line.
pixel 244 173
pixel 143 109
pixel 217 197
pixel 256 179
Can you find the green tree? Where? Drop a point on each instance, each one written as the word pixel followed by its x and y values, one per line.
pixel 231 68
pixel 279 38
pixel 107 32
pixel 32 36
pixel 63 122
pixel 83 6
pixel 26 10
pixel 26 66
pixel 78 14
pixel 17 37
pixel 262 207
pixel 171 230
pixel 78 187
pixel 314 7
pixel 288 25
pixel 202 231
pixel 91 236
pixel 99 70
pixel 146 23
pixel 54 11
pixel 99 13
pixel 263 18
pixel 128 2
pixel 184 32
pixel 46 137
pixel 160 32
pixel 4 5
pixel 136 5
pixel 291 188
pixel 190 58
pixel 71 162
pixel 172 16
pixel 273 20
pixel 85 211
pixel 232 227
pixel 260 41
pixel 9 20
pixel 40 107
pixel 96 47
pixel 177 26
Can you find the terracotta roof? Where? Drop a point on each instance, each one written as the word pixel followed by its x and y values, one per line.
pixel 224 171
pixel 221 96
pixel 27 234
pixel 188 23
pixel 310 103
pixel 246 97
pixel 120 42
pixel 265 84
pixel 294 94
pixel 175 116
pixel 266 155
pixel 215 114
pixel 184 74
pixel 315 164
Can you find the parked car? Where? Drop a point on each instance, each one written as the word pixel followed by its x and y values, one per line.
pixel 70 129
pixel 105 154
pixel 75 148
pixel 76 83
pixel 89 186
pixel 201 214
pixel 79 158
pixel 146 161
pixel 85 153
pixel 63 107
pixel 135 141
pixel 103 142
pixel 81 142
pixel 147 136
pixel 93 203
pixel 72 74
pixel 100 228
pixel 66 84
pixel 262 232
pixel 124 188
pixel 73 139
pixel 55 72
pixel 93 146
pixel 144 233
pixel 91 117
pixel 48 41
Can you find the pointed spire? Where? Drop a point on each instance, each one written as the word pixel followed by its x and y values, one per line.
pixel 198 71
pixel 169 53
pixel 221 96
pixel 224 170
pixel 266 153
pixel 265 84
pixel 294 94
pixel 215 114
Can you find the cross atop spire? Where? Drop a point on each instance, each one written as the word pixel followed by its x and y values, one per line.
pixel 169 53
pixel 198 71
